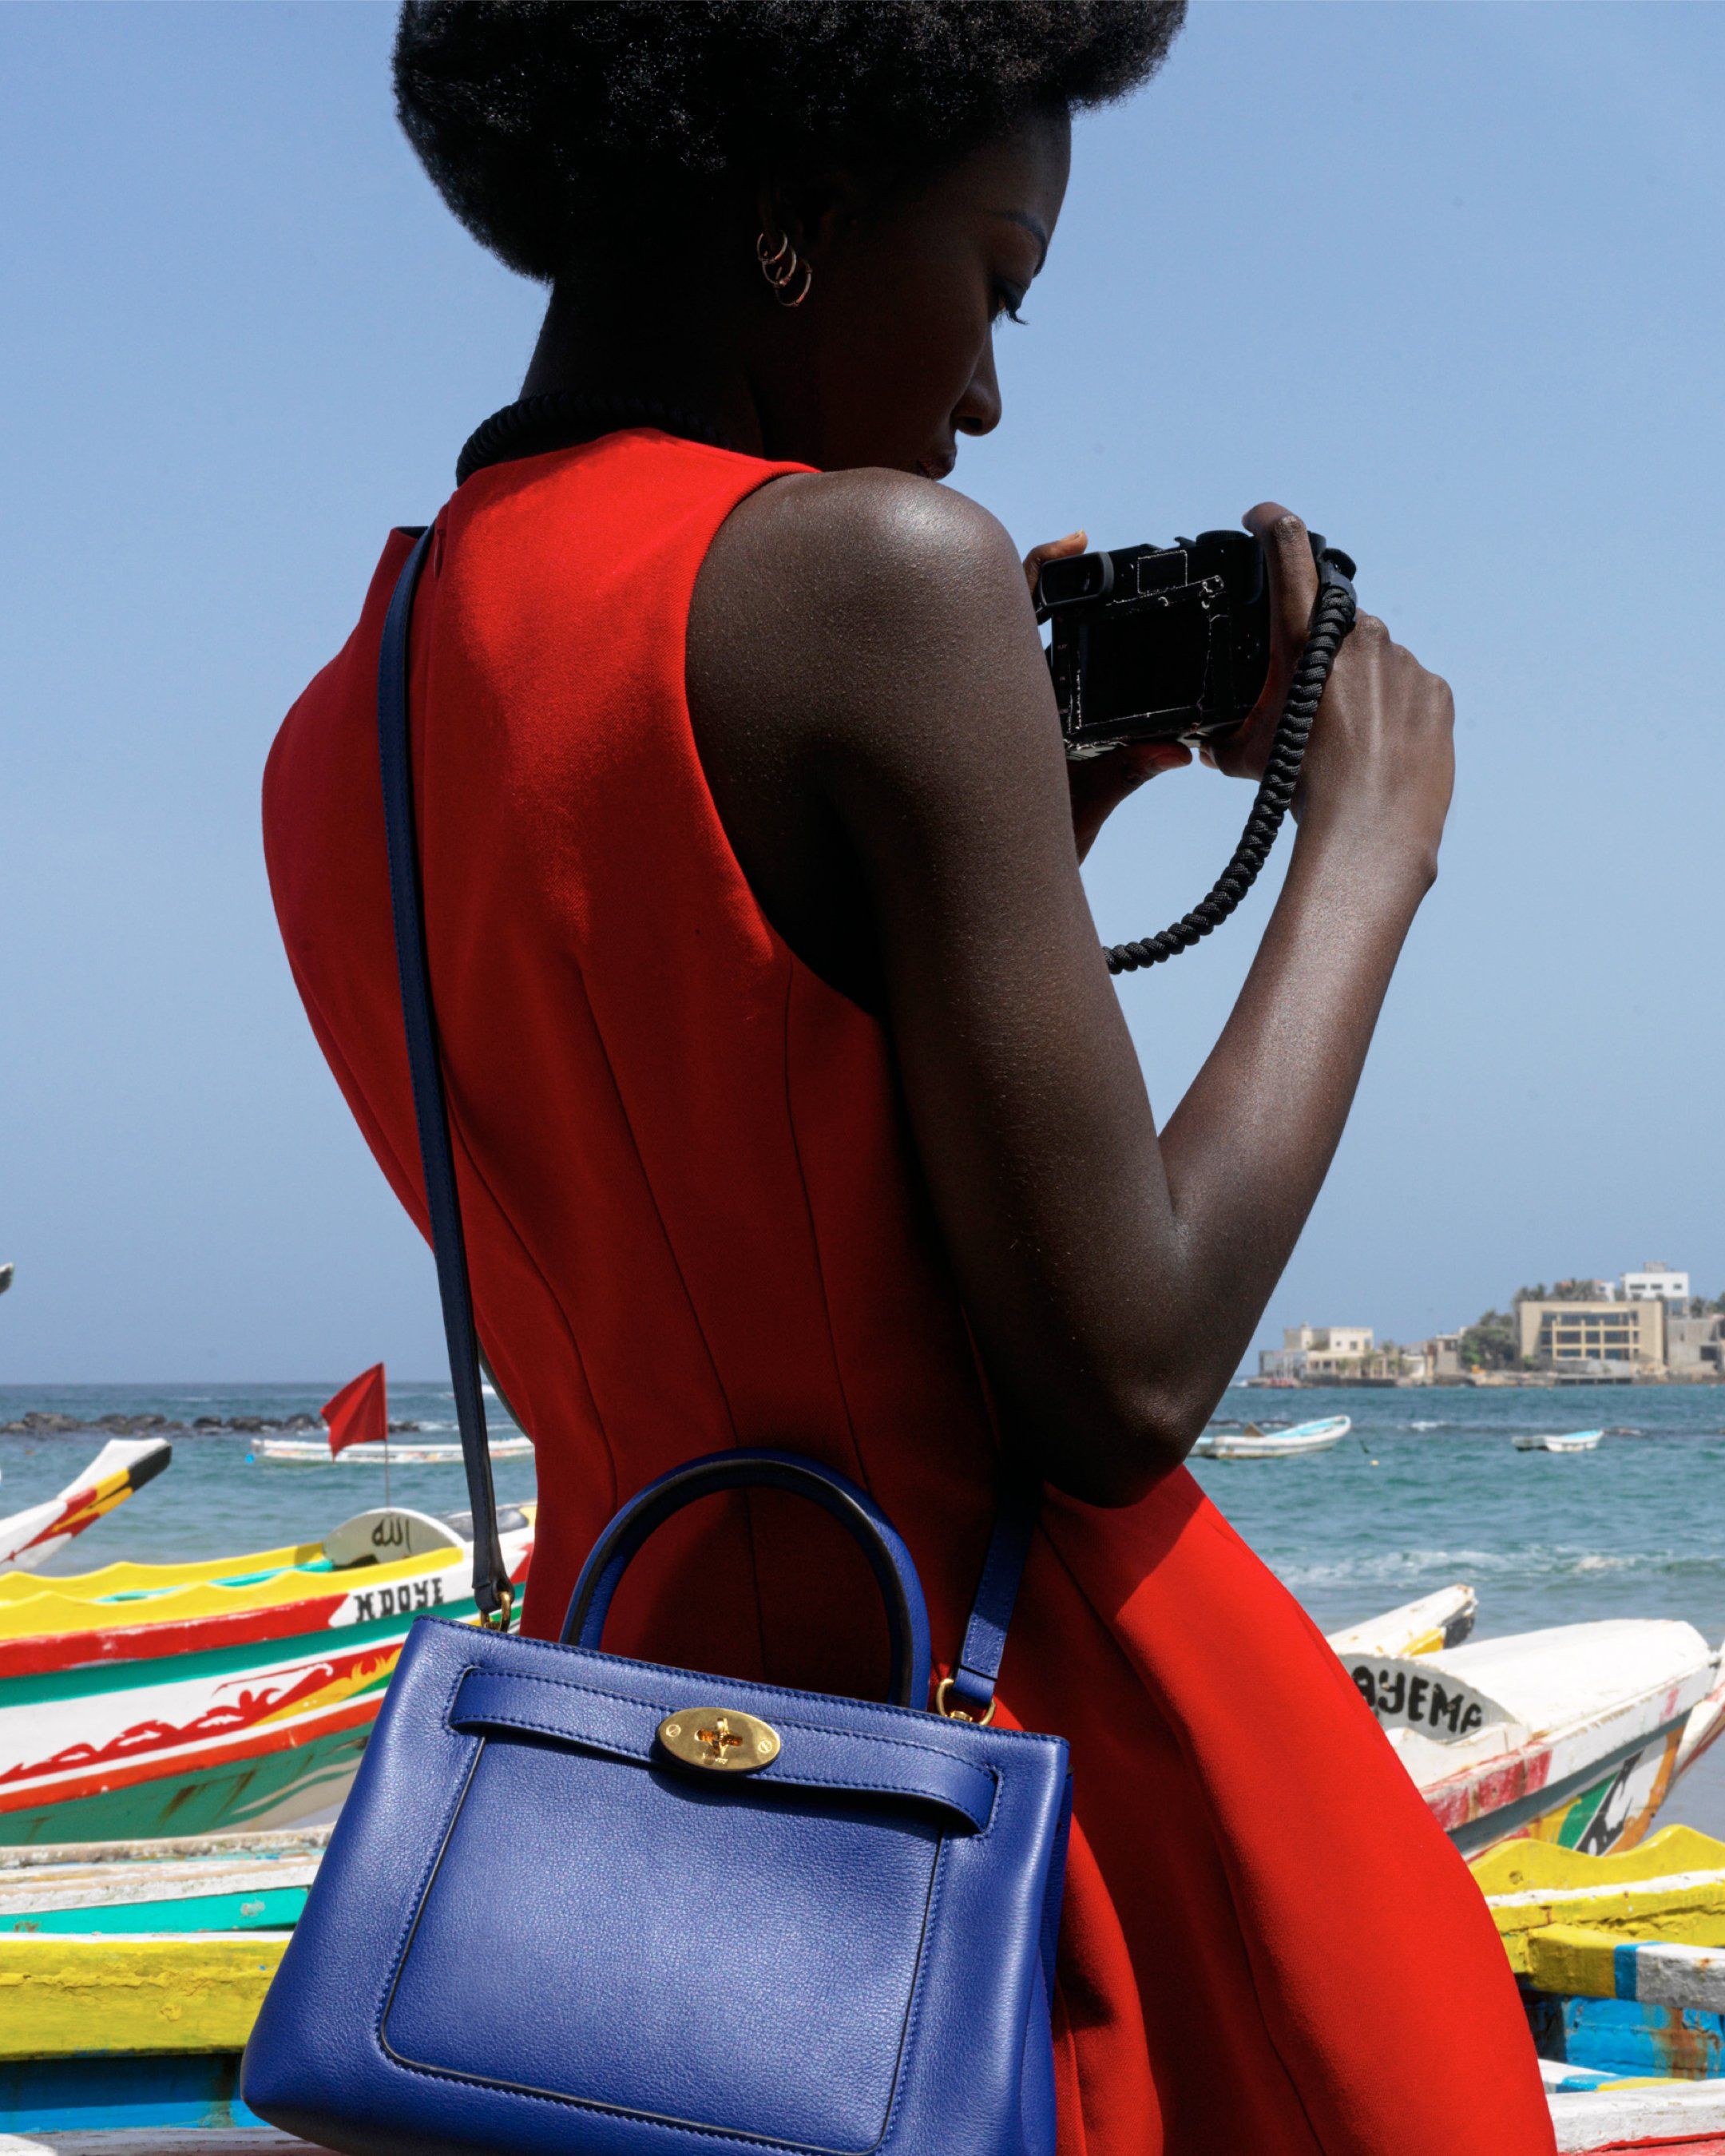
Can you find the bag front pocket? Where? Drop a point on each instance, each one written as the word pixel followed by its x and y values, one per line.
pixel 737 1956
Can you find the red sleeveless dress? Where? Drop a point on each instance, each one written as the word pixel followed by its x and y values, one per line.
pixel 695 1220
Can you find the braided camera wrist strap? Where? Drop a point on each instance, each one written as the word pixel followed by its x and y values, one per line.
pixel 1333 616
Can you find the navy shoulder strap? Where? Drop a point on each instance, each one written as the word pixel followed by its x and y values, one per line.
pixel 970 1689
pixel 491 1577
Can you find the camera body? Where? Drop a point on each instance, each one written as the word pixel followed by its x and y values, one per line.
pixel 1161 643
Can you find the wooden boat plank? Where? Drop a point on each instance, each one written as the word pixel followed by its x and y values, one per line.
pixel 196 1992
pixel 1595 1963
pixel 285 1842
pixel 1691 2114
pixel 150 2141
pixel 1687 1908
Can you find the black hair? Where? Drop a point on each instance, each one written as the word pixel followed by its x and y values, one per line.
pixel 554 127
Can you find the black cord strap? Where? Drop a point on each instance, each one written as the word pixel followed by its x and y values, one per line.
pixel 1333 616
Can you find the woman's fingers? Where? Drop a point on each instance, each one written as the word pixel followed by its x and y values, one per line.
pixel 1100 783
pixel 1293 591
pixel 1052 549
pixel 1293 573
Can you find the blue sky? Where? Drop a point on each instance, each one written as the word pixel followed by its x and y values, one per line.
pixel 1443 278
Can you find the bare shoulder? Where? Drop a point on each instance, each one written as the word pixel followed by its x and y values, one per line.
pixel 854 601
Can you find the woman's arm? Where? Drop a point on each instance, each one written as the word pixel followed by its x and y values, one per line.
pixel 875 632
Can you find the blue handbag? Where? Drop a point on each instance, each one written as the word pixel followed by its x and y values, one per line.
pixel 579 1903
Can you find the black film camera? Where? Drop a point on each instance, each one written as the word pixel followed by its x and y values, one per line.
pixel 1162 643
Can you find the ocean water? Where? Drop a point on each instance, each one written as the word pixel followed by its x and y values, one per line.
pixel 220 1494
pixel 1427 1489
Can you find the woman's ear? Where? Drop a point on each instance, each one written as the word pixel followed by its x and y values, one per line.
pixel 812 211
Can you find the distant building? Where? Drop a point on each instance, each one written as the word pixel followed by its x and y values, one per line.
pixel 1605 1338
pixel 1443 1355
pixel 1694 1346
pixel 1316 1352
pixel 1655 1283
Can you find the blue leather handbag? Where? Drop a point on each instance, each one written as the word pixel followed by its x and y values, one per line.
pixel 580 1903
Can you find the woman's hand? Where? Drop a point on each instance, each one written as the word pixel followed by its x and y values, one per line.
pixel 1382 753
pixel 1100 783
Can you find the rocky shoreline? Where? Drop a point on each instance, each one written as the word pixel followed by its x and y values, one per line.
pixel 43 1423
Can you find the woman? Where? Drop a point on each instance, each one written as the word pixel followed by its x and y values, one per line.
pixel 793 1101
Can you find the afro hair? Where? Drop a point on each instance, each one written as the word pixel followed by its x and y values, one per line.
pixel 551 126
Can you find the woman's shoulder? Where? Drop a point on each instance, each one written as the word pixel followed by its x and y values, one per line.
pixel 834 604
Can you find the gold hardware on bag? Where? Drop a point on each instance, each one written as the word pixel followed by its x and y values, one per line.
pixel 723 1739
pixel 942 1697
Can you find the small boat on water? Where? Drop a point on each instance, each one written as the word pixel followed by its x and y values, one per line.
pixel 140 1700
pixel 1573 1440
pixel 315 1452
pixel 1252 1441
pixel 119 1471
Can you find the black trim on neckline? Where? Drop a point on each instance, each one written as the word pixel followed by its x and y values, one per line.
pixel 563 418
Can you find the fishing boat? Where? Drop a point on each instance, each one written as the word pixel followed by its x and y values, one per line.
pixel 1572 1440
pixel 1571 1734
pixel 315 1452
pixel 1251 1440
pixel 119 1471
pixel 176 1699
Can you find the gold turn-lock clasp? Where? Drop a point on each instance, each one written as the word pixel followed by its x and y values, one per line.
pixel 723 1739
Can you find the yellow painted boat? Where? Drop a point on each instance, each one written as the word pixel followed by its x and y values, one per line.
pixel 377 1551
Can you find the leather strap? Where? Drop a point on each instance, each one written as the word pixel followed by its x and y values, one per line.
pixel 491 1589
pixel 875 1534
pixel 978 1668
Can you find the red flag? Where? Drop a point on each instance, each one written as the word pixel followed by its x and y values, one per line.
pixel 359 1413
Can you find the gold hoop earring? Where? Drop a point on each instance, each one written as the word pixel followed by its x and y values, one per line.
pixel 782 267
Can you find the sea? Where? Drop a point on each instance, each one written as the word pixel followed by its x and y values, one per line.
pixel 1426 1490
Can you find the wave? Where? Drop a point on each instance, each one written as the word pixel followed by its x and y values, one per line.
pixel 1539 1560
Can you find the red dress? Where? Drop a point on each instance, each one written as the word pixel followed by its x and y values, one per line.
pixel 695 1220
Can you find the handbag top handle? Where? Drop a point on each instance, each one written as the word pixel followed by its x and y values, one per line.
pixel 969 1693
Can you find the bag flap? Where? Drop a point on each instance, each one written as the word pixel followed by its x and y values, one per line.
pixel 810 1755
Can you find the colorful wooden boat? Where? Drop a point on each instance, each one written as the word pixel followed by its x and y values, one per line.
pixel 180 1699
pixel 1574 1440
pixel 315 1452
pixel 28 1538
pixel 1252 1441
pixel 1570 1734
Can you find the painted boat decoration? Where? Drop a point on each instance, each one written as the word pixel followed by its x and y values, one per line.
pixel 1252 1441
pixel 119 1471
pixel 142 1700
pixel 1573 1440
pixel 315 1452
pixel 1571 1734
